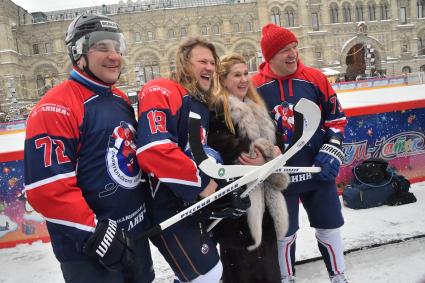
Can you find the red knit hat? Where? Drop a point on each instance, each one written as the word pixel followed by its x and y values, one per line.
pixel 273 39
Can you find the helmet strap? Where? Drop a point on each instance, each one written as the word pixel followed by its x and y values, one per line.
pixel 87 70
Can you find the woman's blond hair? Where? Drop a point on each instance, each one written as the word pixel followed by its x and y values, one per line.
pixel 222 93
pixel 183 73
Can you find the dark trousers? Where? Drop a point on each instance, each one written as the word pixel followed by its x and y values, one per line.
pixel 91 271
pixel 260 265
pixel 187 248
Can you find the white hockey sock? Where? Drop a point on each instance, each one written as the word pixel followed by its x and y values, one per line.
pixel 286 254
pixel 212 276
pixel 331 248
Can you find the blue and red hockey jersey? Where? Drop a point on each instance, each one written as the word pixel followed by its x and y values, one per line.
pixel 282 93
pixel 80 163
pixel 162 144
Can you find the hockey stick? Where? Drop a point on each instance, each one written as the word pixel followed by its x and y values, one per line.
pixel 250 177
pixel 305 110
pixel 311 114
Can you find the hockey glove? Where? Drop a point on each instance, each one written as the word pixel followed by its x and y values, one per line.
pixel 233 207
pixel 110 246
pixel 329 158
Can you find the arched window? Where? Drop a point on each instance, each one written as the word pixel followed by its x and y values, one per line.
pixel 151 35
pixel 372 11
pixel 250 56
pixel 346 12
pixel 359 12
pixel 318 53
pixel 183 31
pixel 334 13
pixel 248 26
pixel 204 30
pixel 146 69
pixel 384 11
pixel 171 33
pixel 39 81
pixel 422 68
pixel 137 37
pixel 403 15
pixel 236 27
pixel 275 16
pixel 315 21
pixel 406 70
pixel 420 4
pixel 215 29
pixel 421 45
pixel 289 17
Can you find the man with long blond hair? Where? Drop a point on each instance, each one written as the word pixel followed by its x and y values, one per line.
pixel 163 153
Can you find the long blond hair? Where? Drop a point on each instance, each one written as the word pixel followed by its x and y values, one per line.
pixel 183 73
pixel 220 100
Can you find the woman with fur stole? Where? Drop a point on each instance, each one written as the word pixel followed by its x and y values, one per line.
pixel 242 131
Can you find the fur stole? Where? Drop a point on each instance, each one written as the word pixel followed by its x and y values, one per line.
pixel 254 123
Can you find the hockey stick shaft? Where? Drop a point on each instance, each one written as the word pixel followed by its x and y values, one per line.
pixel 250 177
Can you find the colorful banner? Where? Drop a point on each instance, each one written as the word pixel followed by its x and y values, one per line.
pixel 398 137
pixel 19 223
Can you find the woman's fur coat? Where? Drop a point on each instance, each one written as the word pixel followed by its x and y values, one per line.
pixel 253 127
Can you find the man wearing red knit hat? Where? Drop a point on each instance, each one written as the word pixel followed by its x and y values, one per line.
pixel 282 81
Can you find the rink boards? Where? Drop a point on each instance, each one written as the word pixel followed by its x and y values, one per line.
pixel 388 123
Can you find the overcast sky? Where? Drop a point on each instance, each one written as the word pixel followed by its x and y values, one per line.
pixel 52 5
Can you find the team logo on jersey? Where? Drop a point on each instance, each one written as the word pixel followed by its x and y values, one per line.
pixel 205 249
pixel 284 116
pixel 121 157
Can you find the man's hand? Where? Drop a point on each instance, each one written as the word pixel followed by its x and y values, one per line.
pixel 110 246
pixel 329 158
pixel 235 207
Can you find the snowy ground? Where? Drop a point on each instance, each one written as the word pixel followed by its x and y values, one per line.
pixel 402 262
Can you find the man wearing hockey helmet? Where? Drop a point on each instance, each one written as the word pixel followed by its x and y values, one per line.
pixel 95 46
pixel 78 175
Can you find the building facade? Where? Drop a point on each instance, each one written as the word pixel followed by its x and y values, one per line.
pixel 355 37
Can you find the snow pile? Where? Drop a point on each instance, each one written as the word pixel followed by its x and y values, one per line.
pixel 396 263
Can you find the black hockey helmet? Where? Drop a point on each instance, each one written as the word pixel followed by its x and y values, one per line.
pixel 86 30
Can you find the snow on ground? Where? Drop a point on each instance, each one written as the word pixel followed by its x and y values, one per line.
pixel 396 263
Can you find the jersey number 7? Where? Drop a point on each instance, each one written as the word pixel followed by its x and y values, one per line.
pixel 48 143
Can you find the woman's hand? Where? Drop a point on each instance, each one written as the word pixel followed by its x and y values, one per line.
pixel 209 189
pixel 246 159
pixel 276 151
